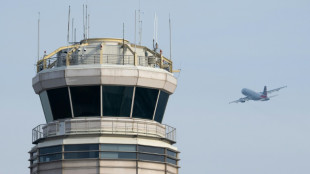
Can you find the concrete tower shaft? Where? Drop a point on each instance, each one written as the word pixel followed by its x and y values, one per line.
pixel 104 101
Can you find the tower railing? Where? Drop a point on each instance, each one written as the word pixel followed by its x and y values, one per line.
pixel 37 132
pixel 104 126
pixel 112 59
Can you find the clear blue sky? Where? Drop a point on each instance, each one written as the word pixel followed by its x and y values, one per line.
pixel 221 46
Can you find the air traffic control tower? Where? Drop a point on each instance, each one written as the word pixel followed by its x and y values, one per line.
pixel 104 101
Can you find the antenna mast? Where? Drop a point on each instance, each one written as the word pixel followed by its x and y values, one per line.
pixel 83 22
pixel 135 30
pixel 88 26
pixel 170 34
pixel 123 42
pixel 72 39
pixel 68 25
pixel 74 34
pixel 39 37
pixel 86 32
pixel 140 25
pixel 155 35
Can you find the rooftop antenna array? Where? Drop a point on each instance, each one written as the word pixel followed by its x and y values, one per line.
pixel 85 22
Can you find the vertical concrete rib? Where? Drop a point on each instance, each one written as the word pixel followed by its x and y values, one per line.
pixel 101 102
pixel 156 104
pixel 132 101
pixel 72 114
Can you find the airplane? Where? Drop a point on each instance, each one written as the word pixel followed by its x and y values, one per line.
pixel 256 96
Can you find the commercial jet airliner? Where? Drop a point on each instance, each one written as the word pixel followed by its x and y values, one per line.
pixel 256 96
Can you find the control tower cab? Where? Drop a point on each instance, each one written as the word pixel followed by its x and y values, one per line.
pixel 104 101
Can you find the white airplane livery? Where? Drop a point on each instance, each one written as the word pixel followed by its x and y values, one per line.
pixel 256 96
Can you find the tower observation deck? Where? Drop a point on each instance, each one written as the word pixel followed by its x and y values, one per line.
pixel 104 101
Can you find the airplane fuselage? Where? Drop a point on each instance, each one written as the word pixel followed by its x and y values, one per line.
pixel 256 96
pixel 253 95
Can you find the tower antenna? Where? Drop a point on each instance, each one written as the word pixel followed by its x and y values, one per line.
pixel 39 37
pixel 83 22
pixel 123 42
pixel 72 35
pixel 170 34
pixel 155 34
pixel 68 26
pixel 86 32
pixel 135 30
pixel 140 24
pixel 88 26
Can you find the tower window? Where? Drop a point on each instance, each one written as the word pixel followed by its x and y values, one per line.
pixel 60 103
pixel 79 155
pixel 150 157
pixel 116 100
pixel 161 106
pixel 49 150
pixel 81 147
pixel 118 155
pixel 85 101
pixel 118 147
pixel 144 104
pixel 149 149
pixel 52 157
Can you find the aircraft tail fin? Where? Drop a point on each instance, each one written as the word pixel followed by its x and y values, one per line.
pixel 265 91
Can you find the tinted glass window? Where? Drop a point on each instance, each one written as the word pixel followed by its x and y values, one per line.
pixel 144 104
pixel 118 155
pixel 35 161
pixel 86 100
pixel 60 103
pixel 34 153
pixel 151 157
pixel 79 155
pixel 161 106
pixel 116 100
pixel 171 153
pixel 149 149
pixel 118 147
pixel 52 149
pixel 172 161
pixel 46 106
pixel 52 157
pixel 81 147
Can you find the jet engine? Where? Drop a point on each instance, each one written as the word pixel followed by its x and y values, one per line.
pixel 242 100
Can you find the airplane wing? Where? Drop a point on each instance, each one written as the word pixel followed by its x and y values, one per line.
pixel 242 100
pixel 274 90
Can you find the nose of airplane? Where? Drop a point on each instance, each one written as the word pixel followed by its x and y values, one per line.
pixel 243 90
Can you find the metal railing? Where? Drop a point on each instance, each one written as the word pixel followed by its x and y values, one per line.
pixel 88 59
pixel 84 59
pixel 103 126
pixel 171 133
pixel 37 132
pixel 71 55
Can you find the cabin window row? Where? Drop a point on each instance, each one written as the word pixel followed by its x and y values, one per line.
pixel 106 151
pixel 109 101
